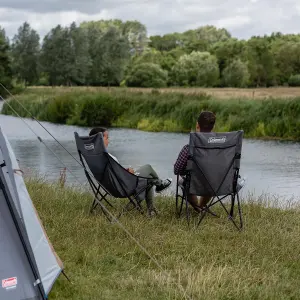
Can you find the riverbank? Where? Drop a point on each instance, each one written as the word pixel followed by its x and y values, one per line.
pixel 211 262
pixel 270 118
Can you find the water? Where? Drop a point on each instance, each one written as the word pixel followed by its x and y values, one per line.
pixel 271 167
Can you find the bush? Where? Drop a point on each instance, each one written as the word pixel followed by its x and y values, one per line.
pixel 196 69
pixel 236 74
pixel 97 111
pixel 59 109
pixel 294 80
pixel 147 75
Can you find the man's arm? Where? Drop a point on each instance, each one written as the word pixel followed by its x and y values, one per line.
pixel 181 162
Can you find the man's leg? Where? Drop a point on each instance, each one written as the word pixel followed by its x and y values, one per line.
pixel 204 200
pixel 148 171
pixel 193 200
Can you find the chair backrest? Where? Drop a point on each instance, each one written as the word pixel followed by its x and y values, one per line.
pixel 109 174
pixel 214 162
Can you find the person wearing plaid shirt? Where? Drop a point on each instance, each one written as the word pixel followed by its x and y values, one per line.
pixel 205 123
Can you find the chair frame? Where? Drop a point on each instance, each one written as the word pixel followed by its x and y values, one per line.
pixel 234 195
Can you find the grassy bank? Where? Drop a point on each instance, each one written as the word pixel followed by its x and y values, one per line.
pixel 211 262
pixel 160 111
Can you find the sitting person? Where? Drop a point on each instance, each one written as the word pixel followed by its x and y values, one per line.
pixel 205 123
pixel 144 171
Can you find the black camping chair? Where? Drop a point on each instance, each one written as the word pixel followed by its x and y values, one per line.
pixel 212 170
pixel 109 177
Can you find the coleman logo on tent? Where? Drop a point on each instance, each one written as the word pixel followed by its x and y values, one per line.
pixel 89 147
pixel 9 283
pixel 216 140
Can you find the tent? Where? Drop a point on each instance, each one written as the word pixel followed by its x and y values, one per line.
pixel 29 265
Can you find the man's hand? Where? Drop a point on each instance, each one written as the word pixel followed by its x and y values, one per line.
pixel 130 170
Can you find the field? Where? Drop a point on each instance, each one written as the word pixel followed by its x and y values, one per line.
pixel 214 261
pixel 221 93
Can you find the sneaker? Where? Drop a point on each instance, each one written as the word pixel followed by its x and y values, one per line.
pixel 152 212
pixel 165 184
pixel 240 184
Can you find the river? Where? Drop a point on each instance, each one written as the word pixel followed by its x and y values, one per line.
pixel 271 167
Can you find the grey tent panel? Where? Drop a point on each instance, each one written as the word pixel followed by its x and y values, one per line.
pixel 213 163
pixel 16 277
pixel 47 263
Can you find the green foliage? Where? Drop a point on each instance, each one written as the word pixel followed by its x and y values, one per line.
pixel 105 52
pixel 236 74
pixel 197 69
pixel 97 111
pixel 294 80
pixel 160 111
pixel 25 54
pixel 60 108
pixel 147 75
pixel 5 67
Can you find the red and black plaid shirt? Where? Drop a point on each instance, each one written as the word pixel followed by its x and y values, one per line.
pixel 181 162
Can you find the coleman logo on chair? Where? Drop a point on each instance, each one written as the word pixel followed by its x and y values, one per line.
pixel 89 147
pixel 217 140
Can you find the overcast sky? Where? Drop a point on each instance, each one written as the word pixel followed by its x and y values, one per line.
pixel 243 18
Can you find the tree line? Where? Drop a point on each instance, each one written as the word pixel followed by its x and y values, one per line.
pixel 113 53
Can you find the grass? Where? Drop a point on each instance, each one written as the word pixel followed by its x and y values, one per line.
pixel 214 261
pixel 273 118
pixel 221 93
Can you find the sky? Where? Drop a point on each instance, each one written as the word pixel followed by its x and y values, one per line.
pixel 243 18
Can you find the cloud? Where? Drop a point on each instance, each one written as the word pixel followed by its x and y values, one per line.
pixel 243 18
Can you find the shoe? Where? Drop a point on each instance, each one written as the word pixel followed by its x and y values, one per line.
pixel 165 184
pixel 152 213
pixel 240 184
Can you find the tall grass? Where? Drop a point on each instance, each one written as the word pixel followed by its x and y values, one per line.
pixel 156 111
pixel 214 261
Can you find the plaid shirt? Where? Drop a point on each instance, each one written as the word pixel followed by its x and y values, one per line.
pixel 181 162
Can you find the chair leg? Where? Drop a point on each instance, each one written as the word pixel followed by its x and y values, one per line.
pixel 240 212
pixel 93 205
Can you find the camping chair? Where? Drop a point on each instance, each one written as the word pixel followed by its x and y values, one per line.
pixel 212 170
pixel 109 177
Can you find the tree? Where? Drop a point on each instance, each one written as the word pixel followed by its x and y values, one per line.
pixel 65 56
pixel 80 52
pixel 57 58
pixel 261 62
pixel 25 54
pixel 166 42
pixel 236 74
pixel 136 33
pixel 228 50
pixel 111 59
pixel 206 35
pixel 287 59
pixel 196 69
pixel 147 75
pixel 5 69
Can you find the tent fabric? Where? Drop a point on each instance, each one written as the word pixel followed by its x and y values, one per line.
pixel 48 264
pixel 215 158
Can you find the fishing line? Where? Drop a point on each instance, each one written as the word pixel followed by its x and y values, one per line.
pixel 85 187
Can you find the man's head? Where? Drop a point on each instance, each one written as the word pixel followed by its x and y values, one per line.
pixel 206 121
pixel 104 133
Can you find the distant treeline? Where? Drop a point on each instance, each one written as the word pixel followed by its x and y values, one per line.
pixel 113 53
pixel 156 111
